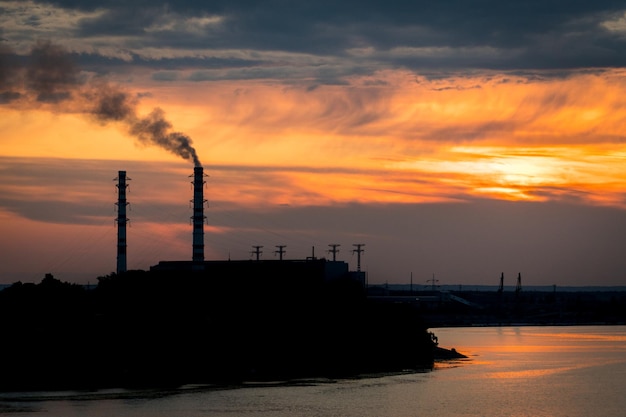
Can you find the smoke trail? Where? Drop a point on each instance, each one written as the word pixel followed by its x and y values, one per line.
pixel 7 74
pixel 47 75
pixel 114 105
pixel 52 74
pixel 50 77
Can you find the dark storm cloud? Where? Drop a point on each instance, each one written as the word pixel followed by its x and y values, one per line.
pixel 49 73
pixel 453 34
pixel 105 65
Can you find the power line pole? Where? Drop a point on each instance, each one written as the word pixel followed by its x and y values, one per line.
pixel 257 251
pixel 334 250
pixel 433 281
pixel 358 252
pixel 280 251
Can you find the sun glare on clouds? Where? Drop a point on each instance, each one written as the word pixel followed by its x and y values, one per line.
pixel 501 136
pixel 388 137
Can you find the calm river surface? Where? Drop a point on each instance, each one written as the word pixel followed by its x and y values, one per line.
pixel 511 371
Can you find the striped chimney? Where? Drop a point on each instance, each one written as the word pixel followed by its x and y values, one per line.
pixel 198 217
pixel 121 221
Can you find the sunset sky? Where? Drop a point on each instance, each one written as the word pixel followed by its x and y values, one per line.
pixel 454 139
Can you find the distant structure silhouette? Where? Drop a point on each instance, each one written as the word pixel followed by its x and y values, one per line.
pixel 257 252
pixel 501 287
pixel 358 252
pixel 334 250
pixel 281 251
pixel 433 282
pixel 518 287
pixel 121 221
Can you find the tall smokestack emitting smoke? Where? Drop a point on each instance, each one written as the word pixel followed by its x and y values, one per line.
pixel 121 220
pixel 51 78
pixel 198 214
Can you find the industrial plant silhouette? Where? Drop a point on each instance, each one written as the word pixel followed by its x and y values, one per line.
pixel 201 321
pixel 188 321
pixel 204 321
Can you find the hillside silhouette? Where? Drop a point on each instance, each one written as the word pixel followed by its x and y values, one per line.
pixel 146 328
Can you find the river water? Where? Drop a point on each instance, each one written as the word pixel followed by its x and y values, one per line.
pixel 511 371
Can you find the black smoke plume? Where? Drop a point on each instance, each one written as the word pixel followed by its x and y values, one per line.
pixel 114 105
pixel 48 76
pixel 52 74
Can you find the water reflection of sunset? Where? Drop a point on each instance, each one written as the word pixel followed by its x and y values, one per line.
pixel 527 373
pixel 520 355
pixel 574 337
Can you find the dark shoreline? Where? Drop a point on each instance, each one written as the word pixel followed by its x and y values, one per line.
pixel 524 308
pixel 148 329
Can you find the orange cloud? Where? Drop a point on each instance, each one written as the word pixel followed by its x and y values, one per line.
pixel 393 137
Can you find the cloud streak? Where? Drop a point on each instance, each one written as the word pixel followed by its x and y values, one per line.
pixel 470 240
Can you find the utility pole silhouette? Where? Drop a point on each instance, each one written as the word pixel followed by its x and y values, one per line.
pixel 334 250
pixel 433 281
pixel 518 287
pixel 358 252
pixel 280 251
pixel 257 251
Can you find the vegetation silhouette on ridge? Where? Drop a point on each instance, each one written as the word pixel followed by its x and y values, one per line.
pixel 147 328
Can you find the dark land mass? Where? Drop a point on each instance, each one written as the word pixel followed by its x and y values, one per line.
pixel 169 328
pixel 506 308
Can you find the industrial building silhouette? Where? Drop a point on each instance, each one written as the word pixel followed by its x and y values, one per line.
pixel 269 270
